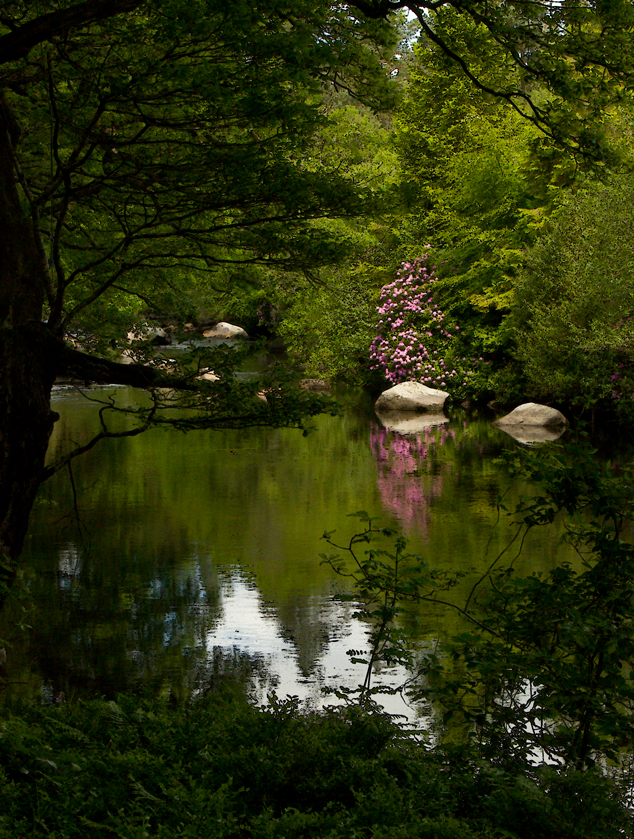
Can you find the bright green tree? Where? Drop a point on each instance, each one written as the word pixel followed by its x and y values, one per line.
pixel 327 322
pixel 575 302
pixel 477 183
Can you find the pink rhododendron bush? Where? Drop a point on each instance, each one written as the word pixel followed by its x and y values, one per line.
pixel 415 340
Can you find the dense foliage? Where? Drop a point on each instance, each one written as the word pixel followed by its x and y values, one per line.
pixel 156 156
pixel 548 673
pixel 576 302
pixel 209 159
pixel 181 151
pixel 221 768
pixel 484 158
pixel 151 154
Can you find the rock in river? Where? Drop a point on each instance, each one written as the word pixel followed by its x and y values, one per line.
pixel 225 331
pixel 533 414
pixel 155 335
pixel 411 396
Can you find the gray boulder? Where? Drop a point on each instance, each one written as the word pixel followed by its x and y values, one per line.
pixel 411 396
pixel 314 384
pixel 159 337
pixel 225 332
pixel 534 415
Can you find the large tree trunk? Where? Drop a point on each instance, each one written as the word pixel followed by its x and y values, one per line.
pixel 28 355
pixel 26 421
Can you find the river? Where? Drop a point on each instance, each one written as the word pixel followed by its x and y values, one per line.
pixel 172 562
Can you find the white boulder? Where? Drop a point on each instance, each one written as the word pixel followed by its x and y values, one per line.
pixel 208 376
pixel 225 331
pixel 411 396
pixel 533 414
pixel 155 335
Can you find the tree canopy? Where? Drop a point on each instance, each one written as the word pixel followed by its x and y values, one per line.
pixel 155 153
pixel 160 148
pixel 177 139
pixel 151 151
pixel 577 52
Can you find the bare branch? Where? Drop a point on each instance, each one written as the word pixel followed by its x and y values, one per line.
pixel 60 464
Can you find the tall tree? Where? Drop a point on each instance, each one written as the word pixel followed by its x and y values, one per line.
pixel 480 177
pixel 575 302
pixel 470 191
pixel 563 63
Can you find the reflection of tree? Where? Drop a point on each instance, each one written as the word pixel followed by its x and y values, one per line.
pixel 164 507
pixel 107 627
pixel 408 476
pixel 234 666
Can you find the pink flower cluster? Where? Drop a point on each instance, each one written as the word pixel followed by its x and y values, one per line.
pixel 414 339
pixel 621 380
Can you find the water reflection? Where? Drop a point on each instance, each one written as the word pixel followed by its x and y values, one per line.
pixel 250 627
pixel 104 628
pixel 532 434
pixel 406 423
pixel 406 478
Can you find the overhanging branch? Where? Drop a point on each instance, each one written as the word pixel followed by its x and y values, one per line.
pixel 84 367
pixel 104 434
pixel 18 43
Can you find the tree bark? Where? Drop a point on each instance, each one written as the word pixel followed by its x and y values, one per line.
pixel 28 353
pixel 31 357
pixel 27 372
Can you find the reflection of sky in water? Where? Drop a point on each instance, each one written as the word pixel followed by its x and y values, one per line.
pixel 69 566
pixel 248 625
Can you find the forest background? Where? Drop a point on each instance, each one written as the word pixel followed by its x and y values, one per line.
pixel 525 236
pixel 293 167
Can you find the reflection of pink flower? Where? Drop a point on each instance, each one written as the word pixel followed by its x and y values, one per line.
pixel 404 476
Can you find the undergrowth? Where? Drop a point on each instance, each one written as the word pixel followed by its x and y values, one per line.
pixel 223 768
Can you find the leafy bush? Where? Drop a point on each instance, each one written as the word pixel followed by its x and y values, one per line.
pixel 222 768
pixel 327 329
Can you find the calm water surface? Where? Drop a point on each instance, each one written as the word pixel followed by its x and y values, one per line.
pixel 189 559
